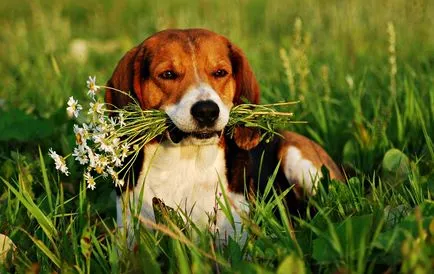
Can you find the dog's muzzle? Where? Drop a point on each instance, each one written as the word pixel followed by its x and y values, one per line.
pixel 205 114
pixel 199 118
pixel 176 135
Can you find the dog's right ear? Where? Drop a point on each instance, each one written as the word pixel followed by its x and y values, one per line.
pixel 124 86
pixel 126 79
pixel 247 88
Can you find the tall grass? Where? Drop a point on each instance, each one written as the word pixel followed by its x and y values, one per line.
pixel 362 69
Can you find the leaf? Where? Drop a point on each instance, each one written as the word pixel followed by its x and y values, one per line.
pixel 395 161
pixel 395 214
pixel 291 264
pixel 248 268
pixel 391 240
pixel 7 169
pixel 427 208
pixel 350 152
pixel 17 125
pixel 352 234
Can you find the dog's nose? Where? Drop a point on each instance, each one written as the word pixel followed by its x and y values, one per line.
pixel 205 112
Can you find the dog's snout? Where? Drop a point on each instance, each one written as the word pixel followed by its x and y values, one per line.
pixel 205 112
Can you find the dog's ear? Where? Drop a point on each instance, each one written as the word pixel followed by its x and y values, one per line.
pixel 247 87
pixel 124 86
pixel 126 78
pixel 246 138
pixel 247 90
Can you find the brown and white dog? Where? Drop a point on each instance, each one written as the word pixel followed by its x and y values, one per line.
pixel 197 76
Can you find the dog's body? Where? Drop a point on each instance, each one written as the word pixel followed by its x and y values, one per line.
pixel 196 76
pixel 189 178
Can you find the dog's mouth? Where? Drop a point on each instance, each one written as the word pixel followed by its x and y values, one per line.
pixel 175 135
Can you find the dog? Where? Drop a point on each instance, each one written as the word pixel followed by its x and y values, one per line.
pixel 196 76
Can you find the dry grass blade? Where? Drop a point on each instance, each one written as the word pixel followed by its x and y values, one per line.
pixel 141 126
pixel 175 233
pixel 266 118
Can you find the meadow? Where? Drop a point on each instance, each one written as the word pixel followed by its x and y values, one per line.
pixel 362 70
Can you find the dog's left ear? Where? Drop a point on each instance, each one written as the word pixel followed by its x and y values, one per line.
pixel 126 78
pixel 247 87
pixel 246 91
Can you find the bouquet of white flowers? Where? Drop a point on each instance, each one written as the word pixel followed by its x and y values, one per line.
pixel 105 143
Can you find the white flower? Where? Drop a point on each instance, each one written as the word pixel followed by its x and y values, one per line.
pixel 112 172
pixel 62 166
pixel 103 162
pixel 121 119
pixel 98 138
pixel 104 146
pixel 119 182
pixel 80 154
pixel 92 157
pixel 59 161
pixel 81 134
pixel 114 175
pixel 350 81
pixel 53 154
pixel 124 151
pixel 85 129
pixel 102 121
pixel 77 129
pixel 103 143
pixel 96 108
pixel 115 142
pixel 98 162
pixel 73 107
pixel 91 126
pixel 90 181
pixel 96 157
pixel 117 161
pixel 103 126
pixel 91 85
pixel 113 121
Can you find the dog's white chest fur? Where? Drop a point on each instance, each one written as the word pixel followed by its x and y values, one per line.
pixel 187 177
pixel 184 176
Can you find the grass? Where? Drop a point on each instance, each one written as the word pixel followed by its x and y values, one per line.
pixel 362 70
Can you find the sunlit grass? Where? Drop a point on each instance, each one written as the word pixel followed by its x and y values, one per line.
pixel 363 71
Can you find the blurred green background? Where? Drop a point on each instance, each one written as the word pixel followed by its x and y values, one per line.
pixel 363 70
pixel 49 47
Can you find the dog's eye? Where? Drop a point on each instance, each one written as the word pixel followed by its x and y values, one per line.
pixel 168 75
pixel 219 73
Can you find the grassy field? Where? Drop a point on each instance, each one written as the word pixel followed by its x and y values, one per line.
pixel 363 70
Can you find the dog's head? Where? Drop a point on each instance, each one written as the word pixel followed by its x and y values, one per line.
pixel 195 76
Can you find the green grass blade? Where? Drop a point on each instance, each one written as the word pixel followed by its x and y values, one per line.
pixel 45 180
pixel 45 223
pixel 183 263
pixel 52 256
